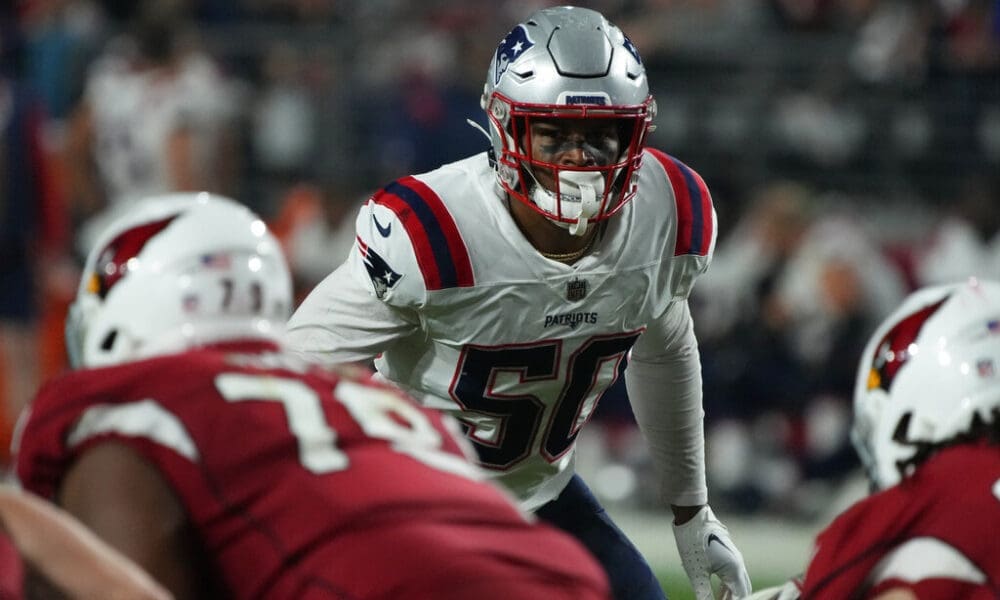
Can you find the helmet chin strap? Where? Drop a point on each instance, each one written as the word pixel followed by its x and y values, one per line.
pixel 579 192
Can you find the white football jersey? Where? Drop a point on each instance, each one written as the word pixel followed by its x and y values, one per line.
pixel 518 347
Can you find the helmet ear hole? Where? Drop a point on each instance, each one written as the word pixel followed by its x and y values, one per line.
pixel 899 434
pixel 109 340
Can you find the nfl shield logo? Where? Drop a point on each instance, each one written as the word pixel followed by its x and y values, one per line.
pixel 576 290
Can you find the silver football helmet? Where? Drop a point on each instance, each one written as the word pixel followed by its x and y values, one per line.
pixel 567 63
pixel 178 271
pixel 930 372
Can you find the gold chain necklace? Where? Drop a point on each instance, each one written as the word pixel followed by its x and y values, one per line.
pixel 571 256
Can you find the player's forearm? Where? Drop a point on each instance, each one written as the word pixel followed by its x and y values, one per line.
pixel 664 386
pixel 672 423
pixel 340 322
pixel 67 556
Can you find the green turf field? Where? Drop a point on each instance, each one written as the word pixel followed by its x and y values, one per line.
pixel 675 584
pixel 774 549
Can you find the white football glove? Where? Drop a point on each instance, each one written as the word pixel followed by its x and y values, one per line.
pixel 706 549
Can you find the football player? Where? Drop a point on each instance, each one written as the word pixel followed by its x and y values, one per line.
pixel 227 468
pixel 510 288
pixel 927 429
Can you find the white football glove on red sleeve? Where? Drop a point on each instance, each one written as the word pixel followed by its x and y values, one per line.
pixel 706 549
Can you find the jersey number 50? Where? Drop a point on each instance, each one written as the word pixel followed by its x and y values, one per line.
pixel 519 416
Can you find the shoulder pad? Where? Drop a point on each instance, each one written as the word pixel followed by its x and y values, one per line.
pixel 696 227
pixel 403 230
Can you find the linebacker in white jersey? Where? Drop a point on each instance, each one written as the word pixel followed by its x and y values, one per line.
pixel 511 288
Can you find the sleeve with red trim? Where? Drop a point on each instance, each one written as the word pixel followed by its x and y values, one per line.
pixel 407 248
pixel 408 245
pixel 341 321
pixel 696 223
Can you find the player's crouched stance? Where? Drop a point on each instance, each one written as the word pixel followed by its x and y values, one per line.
pixel 513 288
pixel 927 428
pixel 226 468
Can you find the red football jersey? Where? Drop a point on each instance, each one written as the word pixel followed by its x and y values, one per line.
pixel 934 533
pixel 11 570
pixel 307 484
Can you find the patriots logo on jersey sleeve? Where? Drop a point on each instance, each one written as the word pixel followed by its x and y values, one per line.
pixel 437 244
pixel 512 46
pixel 383 277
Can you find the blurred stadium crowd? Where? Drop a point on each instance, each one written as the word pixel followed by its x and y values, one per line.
pixel 852 147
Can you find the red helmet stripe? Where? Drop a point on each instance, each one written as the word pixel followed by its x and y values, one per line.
pixel 893 350
pixel 112 262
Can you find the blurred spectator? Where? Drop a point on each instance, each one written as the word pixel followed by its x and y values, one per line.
pixel 316 231
pixel 965 69
pixel 805 15
pixel 750 257
pixel 284 119
pixel 750 366
pixel 892 42
pixel 156 116
pixel 62 37
pixel 833 292
pixel 838 272
pixel 33 236
pixel 821 122
pixel 970 41
pixel 967 241
pixel 300 11
pixel 418 95
pixel 797 288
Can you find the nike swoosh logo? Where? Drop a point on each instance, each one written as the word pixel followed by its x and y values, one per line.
pixel 714 538
pixel 384 231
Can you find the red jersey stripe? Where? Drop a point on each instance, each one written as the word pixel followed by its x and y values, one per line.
pixel 694 206
pixel 462 264
pixel 440 251
pixel 418 237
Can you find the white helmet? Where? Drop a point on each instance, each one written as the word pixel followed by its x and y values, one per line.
pixel 930 373
pixel 178 271
pixel 567 63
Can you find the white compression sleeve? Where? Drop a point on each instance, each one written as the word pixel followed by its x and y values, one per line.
pixel 664 387
pixel 340 321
